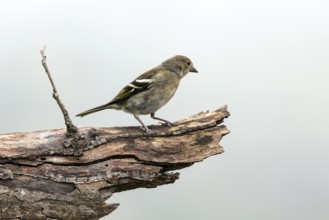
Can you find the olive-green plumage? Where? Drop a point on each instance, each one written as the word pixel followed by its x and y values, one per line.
pixel 150 91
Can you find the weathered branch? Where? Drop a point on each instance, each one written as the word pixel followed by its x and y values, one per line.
pixel 68 174
pixel 41 178
pixel 70 127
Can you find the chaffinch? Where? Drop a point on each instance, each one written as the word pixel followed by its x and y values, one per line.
pixel 150 91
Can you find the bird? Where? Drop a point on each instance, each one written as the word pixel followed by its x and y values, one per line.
pixel 150 91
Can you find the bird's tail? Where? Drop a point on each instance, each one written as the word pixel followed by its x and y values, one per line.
pixel 93 110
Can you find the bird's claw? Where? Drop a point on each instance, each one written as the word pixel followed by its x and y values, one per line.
pixel 165 123
pixel 147 130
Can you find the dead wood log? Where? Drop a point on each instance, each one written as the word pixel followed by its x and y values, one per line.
pixel 68 174
pixel 54 175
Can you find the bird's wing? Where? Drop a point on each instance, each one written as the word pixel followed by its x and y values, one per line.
pixel 142 83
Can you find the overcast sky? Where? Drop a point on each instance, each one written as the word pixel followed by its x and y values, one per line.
pixel 267 60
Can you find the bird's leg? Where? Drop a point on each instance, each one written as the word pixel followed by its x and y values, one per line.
pixel 162 121
pixel 147 130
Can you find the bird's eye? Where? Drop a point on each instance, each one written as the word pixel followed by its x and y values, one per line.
pixel 188 63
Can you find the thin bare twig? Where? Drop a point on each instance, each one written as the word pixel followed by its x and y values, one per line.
pixel 70 127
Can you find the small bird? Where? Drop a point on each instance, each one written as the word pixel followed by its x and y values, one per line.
pixel 150 91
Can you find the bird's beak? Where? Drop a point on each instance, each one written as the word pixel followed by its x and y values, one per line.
pixel 193 70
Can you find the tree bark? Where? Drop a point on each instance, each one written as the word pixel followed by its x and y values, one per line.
pixel 56 175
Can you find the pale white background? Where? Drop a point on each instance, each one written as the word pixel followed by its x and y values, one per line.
pixel 267 60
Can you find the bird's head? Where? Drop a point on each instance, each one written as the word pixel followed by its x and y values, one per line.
pixel 180 65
